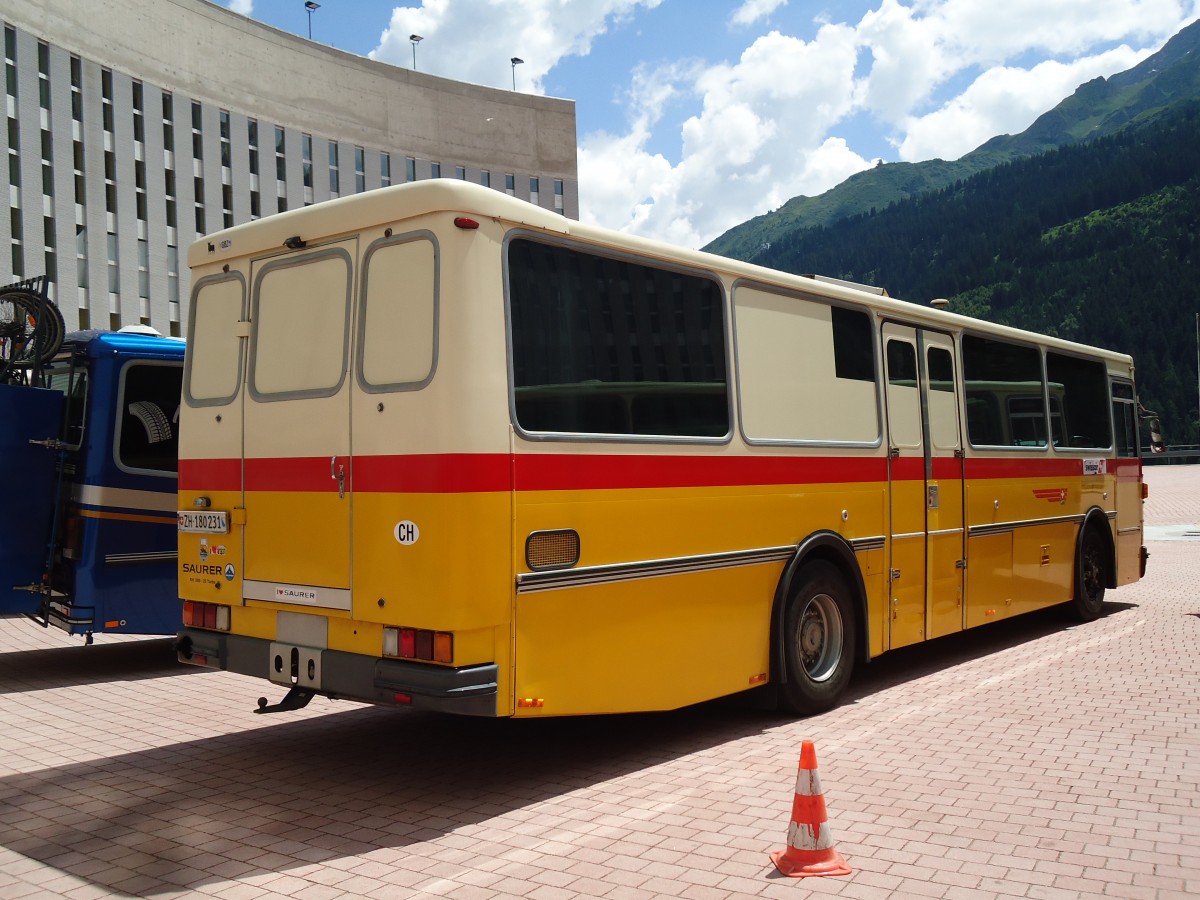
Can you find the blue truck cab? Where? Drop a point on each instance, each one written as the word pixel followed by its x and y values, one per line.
pixel 90 453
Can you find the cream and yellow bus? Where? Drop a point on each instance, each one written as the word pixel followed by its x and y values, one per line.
pixel 444 449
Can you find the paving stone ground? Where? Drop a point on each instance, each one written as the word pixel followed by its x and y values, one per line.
pixel 1034 758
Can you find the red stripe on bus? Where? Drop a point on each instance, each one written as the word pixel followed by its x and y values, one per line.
pixel 484 472
pixel 435 473
pixel 210 475
pixel 1024 468
pixel 576 472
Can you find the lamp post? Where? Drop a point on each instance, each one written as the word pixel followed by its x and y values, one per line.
pixel 516 61
pixel 415 39
pixel 310 7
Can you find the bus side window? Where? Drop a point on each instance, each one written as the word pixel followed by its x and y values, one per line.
pixel 146 438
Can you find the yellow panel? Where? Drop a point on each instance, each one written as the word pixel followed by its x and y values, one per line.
pixel 989 577
pixel 651 644
pixel 204 558
pixel 296 537
pixel 458 572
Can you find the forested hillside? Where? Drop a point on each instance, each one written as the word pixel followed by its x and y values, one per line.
pixel 1093 242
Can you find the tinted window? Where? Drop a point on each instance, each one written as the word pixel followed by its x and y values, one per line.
pixel 1083 384
pixel 613 346
pixel 1005 404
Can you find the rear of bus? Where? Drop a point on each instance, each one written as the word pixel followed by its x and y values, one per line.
pixel 345 474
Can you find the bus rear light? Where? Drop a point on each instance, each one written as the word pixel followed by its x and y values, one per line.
pixel 1145 491
pixel 530 702
pixel 206 615
pixel 419 643
pixel 465 223
pixel 404 699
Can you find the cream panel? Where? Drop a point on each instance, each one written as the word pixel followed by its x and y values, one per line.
pixel 786 372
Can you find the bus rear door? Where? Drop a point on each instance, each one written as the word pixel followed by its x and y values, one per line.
pixel 297 465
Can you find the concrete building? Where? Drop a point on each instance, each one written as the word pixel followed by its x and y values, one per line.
pixel 135 127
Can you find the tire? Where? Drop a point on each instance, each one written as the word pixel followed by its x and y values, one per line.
pixel 1091 576
pixel 819 639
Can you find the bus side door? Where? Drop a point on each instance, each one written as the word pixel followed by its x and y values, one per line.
pixel 926 485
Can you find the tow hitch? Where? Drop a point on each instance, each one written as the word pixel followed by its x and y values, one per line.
pixel 295 698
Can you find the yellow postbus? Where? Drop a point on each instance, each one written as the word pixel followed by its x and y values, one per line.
pixel 444 449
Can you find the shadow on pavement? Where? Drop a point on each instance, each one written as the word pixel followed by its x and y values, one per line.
pixel 57 667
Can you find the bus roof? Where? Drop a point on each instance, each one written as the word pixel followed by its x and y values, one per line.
pixel 116 343
pixel 346 215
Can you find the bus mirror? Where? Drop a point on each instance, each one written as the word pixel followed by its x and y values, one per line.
pixel 1154 429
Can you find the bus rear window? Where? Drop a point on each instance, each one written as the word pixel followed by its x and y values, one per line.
pixel 612 346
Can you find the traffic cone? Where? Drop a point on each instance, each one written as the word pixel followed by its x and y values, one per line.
pixel 810 848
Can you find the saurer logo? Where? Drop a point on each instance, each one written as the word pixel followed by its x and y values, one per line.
pixel 196 569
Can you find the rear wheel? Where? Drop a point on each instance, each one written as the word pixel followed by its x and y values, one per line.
pixel 820 627
pixel 1091 576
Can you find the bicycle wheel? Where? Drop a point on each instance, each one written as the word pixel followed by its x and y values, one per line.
pixel 31 329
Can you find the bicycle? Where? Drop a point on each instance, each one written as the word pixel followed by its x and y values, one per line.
pixel 31 332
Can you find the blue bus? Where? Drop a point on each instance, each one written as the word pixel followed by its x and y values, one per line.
pixel 89 449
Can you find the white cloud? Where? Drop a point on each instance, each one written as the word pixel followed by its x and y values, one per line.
pixel 242 7
pixel 752 10
pixel 1003 101
pixel 761 137
pixel 474 41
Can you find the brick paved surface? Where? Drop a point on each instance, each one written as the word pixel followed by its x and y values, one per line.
pixel 1034 758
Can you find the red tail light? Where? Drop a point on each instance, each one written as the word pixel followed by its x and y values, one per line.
pixel 419 643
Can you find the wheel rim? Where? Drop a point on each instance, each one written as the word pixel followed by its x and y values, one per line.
pixel 819 637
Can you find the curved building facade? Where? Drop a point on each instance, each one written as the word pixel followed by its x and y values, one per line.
pixel 134 127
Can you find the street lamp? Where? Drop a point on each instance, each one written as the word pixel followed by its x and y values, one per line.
pixel 415 39
pixel 310 7
pixel 516 61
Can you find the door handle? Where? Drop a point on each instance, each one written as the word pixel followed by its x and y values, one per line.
pixel 338 474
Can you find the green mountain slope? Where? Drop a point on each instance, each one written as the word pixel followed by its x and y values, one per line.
pixel 1097 242
pixel 1098 108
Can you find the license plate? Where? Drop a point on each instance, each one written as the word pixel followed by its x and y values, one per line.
pixel 205 522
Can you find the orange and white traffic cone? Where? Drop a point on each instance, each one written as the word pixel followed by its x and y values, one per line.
pixel 810 848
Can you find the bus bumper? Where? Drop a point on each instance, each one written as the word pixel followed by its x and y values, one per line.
pixel 469 690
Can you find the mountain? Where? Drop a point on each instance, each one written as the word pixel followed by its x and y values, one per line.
pixel 1095 241
pixel 1098 108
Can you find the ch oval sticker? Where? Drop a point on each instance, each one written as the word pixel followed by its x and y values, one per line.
pixel 407 533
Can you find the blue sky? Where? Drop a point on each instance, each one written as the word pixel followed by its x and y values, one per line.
pixel 695 115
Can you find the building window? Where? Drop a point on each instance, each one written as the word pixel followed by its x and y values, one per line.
pixel 533 190
pixel 558 195
pixel 485 178
pixel 280 161
pixel 197 133
pixel 226 146
pixel 360 171
pixel 306 159
pixel 410 169
pixel 168 116
pixel 435 170
pixel 385 169
pixel 460 173
pixel 510 184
